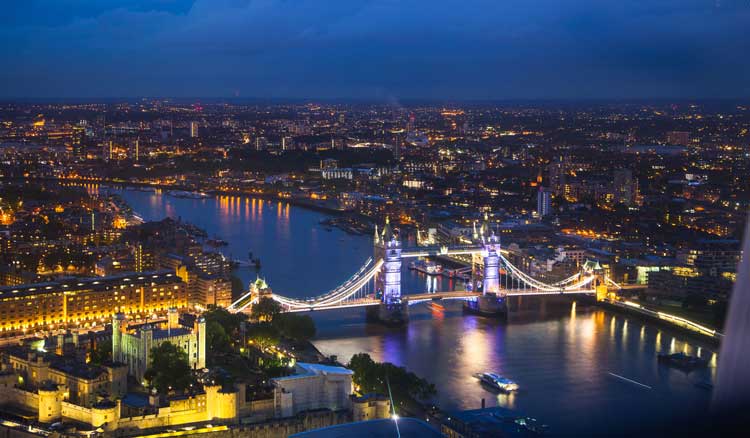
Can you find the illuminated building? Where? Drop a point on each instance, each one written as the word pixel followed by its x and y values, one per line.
pixel 329 163
pixel 313 386
pixel 132 345
pixel 625 188
pixel 51 403
pixel 212 290
pixel 370 407
pixel 339 173
pixel 90 301
pixel 143 258
pixel 193 129
pixel 543 202
pixel 80 383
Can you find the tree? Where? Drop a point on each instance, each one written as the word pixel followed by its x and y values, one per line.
pixel 263 335
pixel 266 309
pixel 169 368
pixel 229 321
pixel 372 376
pixel 217 339
pixel 296 327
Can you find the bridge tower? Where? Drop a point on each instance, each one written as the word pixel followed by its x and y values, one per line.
pixel 491 253
pixel 492 302
pixel 387 247
pixel 600 278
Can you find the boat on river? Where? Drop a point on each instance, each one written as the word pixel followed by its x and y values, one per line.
pixel 497 382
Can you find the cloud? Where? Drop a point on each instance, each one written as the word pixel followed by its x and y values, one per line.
pixel 359 48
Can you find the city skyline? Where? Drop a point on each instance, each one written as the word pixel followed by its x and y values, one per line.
pixel 407 218
pixel 375 50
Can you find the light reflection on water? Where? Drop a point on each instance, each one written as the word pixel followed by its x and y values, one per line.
pixel 562 363
pixel 560 358
pixel 299 257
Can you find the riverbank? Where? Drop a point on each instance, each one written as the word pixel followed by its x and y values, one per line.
pixel 687 327
pixel 296 201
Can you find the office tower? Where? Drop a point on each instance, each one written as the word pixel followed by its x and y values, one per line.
pixel 194 129
pixel 543 202
pixel 79 134
pixel 624 187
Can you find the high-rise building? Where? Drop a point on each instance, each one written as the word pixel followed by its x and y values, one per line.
pixel 625 188
pixel 543 202
pixel 557 173
pixel 194 129
pixel 79 135
pixel 261 144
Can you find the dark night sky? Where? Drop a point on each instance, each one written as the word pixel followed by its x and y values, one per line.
pixel 387 49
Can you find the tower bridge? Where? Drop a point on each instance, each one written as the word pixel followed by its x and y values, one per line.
pixel 377 284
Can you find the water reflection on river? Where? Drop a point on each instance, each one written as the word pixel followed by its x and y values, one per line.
pixel 567 361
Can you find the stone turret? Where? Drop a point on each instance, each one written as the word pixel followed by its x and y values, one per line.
pixel 222 405
pixel 118 325
pixel 106 414
pixel 50 403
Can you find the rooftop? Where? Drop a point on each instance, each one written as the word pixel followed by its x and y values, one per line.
pixel 100 284
pixel 311 369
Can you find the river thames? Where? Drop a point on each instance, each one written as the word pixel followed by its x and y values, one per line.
pixel 581 369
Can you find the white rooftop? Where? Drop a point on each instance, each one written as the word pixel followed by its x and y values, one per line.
pixel 310 369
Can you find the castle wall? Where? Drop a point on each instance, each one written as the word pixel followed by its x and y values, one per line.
pixel 76 412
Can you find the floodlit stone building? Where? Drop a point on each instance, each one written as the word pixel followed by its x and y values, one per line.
pixel 132 344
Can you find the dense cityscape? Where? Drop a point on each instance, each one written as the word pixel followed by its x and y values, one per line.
pixel 115 324
pixel 372 218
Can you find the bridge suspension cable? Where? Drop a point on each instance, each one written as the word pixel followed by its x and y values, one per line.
pixel 356 290
pixel 357 284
